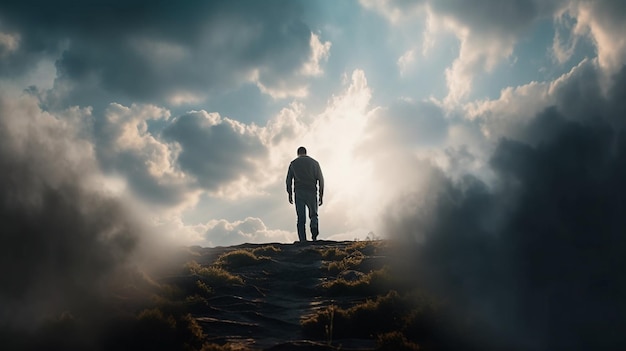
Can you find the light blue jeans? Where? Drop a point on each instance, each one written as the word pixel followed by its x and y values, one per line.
pixel 306 199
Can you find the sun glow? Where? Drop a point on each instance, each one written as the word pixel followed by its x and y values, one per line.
pixel 338 134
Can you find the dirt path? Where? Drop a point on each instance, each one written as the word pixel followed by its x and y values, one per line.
pixel 265 311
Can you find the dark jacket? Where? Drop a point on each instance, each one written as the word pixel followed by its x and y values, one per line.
pixel 305 173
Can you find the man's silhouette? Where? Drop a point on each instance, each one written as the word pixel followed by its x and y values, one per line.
pixel 305 174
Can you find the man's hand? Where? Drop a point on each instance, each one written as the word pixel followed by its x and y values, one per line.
pixel 290 199
pixel 321 202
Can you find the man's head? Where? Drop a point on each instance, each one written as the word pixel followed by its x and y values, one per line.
pixel 301 151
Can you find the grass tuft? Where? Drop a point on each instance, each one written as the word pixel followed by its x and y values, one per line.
pixel 369 284
pixel 266 250
pixel 384 314
pixel 239 258
pixel 213 275
pixel 350 261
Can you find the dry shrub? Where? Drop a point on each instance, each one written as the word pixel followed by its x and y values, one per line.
pixel 372 283
pixel 266 250
pixel 384 314
pixel 351 256
pixel 368 248
pixel 348 262
pixel 213 275
pixel 395 341
pixel 333 253
pixel 239 258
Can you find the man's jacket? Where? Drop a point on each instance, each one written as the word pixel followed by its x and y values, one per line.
pixel 305 173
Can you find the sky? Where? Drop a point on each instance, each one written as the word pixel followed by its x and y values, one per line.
pixel 491 132
pixel 193 111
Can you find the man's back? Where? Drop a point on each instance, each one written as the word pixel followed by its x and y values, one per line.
pixel 306 172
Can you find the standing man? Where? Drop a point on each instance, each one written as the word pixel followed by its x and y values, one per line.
pixel 305 173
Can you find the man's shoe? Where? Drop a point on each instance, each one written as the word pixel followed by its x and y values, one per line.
pixel 314 233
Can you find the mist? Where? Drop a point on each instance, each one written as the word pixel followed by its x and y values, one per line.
pixel 534 260
pixel 67 242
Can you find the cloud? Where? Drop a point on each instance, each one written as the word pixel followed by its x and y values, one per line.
pixel 64 235
pixel 410 124
pixel 279 86
pixel 147 52
pixel 406 61
pixel 578 94
pixel 319 52
pixel 8 43
pixel 126 147
pixel 604 22
pixel 534 257
pixel 215 150
pixel 487 31
pixel 250 230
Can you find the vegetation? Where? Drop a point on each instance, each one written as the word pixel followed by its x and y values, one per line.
pixel 394 319
pixel 374 282
pixel 246 257
pixel 363 299
pixel 350 261
pixel 212 275
pixel 266 250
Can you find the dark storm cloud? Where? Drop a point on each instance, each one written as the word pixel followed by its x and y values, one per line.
pixel 539 259
pixel 145 50
pixel 215 150
pixel 61 241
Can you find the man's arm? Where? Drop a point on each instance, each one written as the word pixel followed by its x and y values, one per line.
pixel 320 180
pixel 289 182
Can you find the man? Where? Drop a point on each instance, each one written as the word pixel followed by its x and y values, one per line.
pixel 305 173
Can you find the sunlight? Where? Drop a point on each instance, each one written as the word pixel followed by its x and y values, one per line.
pixel 351 191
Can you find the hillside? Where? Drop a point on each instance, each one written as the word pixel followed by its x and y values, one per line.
pixel 275 288
pixel 323 295
pixel 313 296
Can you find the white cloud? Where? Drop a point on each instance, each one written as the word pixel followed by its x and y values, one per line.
pixel 126 147
pixel 127 132
pixel 479 52
pixel 606 25
pixel 487 32
pixel 184 98
pixel 319 53
pixel 406 61
pixel 514 107
pixel 280 90
pixel 250 230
